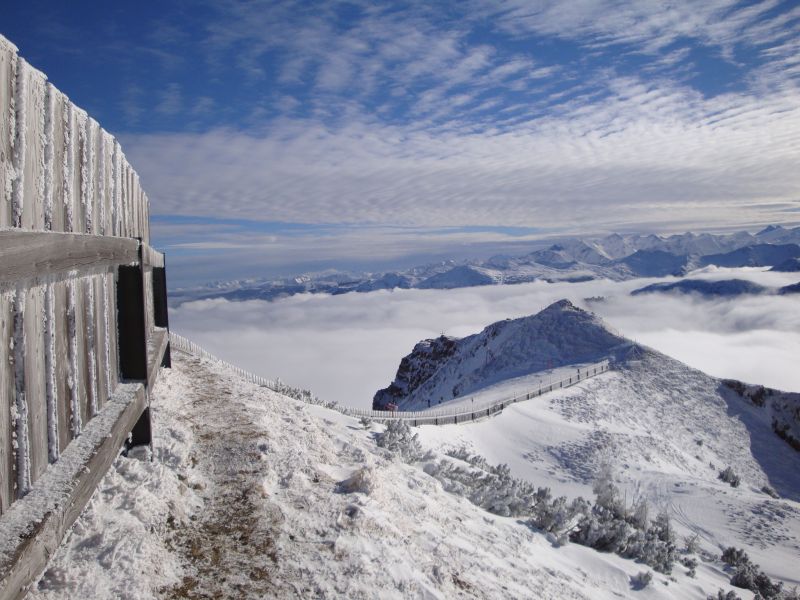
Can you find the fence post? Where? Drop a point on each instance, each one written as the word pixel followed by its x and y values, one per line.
pixel 160 309
pixel 132 340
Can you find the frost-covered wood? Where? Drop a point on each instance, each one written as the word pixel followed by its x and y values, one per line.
pixel 28 254
pixel 34 526
pixel 70 212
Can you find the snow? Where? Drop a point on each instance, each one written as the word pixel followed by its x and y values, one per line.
pixel 440 370
pixel 252 494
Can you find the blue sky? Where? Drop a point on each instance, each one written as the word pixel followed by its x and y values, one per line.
pixel 282 136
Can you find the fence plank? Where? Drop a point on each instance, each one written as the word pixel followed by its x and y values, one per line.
pixel 35 387
pixel 50 516
pixel 33 130
pixel 8 59
pixel 62 365
pixel 38 254
pixel 7 470
pixel 100 348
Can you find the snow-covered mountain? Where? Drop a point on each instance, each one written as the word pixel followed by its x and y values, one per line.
pixel 252 494
pixel 615 257
pixel 444 368
pixel 704 287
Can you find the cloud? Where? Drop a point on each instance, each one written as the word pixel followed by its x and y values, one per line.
pixel 649 157
pixel 347 347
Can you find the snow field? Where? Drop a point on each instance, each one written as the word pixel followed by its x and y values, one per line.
pixel 252 494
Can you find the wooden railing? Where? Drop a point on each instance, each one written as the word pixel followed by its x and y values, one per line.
pixel 83 322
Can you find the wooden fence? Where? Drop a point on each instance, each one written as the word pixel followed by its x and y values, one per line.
pixel 83 314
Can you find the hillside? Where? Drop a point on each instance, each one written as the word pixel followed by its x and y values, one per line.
pixel 253 494
pixel 445 368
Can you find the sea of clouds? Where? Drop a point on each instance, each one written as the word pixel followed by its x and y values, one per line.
pixel 346 347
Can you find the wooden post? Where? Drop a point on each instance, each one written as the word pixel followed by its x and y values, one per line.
pixel 132 327
pixel 160 308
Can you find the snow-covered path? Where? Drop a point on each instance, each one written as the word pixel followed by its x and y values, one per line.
pixel 255 495
pixel 228 546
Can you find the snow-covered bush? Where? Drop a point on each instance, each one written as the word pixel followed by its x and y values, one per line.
pixel 366 422
pixel 611 526
pixel 363 480
pixel 641 580
pixel 398 439
pixel 301 394
pixel 691 566
pixel 747 575
pixel 728 475
pixel 770 491
pixel 721 595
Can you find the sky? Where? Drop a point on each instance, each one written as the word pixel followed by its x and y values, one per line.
pixel 346 347
pixel 275 137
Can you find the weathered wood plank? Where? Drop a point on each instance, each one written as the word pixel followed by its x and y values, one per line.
pixel 58 146
pixel 100 347
pixel 62 493
pixel 110 318
pixel 62 374
pixel 79 174
pixel 151 257
pixel 35 386
pixel 28 254
pixel 8 59
pixel 82 353
pixel 33 172
pixel 157 345
pixel 7 470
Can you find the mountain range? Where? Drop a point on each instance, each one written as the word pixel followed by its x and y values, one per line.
pixel 616 257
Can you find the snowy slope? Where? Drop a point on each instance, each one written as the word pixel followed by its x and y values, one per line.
pixel 666 430
pixel 446 368
pixel 253 495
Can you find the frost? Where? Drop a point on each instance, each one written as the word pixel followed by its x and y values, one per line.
pixel 50 374
pixel 68 166
pixel 49 117
pixel 20 142
pixel 21 404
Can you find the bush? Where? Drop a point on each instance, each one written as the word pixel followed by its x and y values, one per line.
pixel 721 595
pixel 729 476
pixel 398 439
pixel 366 422
pixel 747 575
pixel 641 580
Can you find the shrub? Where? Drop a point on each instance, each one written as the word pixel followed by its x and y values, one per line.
pixel 747 575
pixel 729 476
pixel 641 580
pixel 721 595
pixel 398 439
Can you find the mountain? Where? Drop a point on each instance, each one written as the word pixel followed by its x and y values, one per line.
pixel 616 257
pixel 758 255
pixel 445 368
pixel 458 277
pixel 654 263
pixel 726 287
pixel 250 494
pixel 790 265
pixel 790 289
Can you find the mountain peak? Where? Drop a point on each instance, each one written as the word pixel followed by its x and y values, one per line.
pixel 441 369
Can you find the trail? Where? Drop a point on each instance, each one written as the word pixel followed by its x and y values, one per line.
pixel 230 544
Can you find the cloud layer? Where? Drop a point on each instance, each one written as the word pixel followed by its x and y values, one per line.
pixel 347 347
